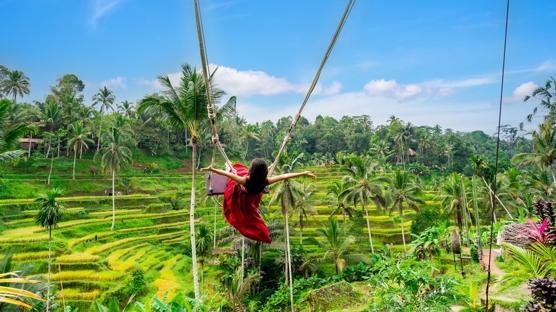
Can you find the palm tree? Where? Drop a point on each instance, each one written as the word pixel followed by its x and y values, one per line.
pixel 546 95
pixel 288 193
pixel 246 134
pixel 185 107
pixel 126 107
pixel 79 140
pixel 336 242
pixel 544 148
pixel 452 194
pixel 362 187
pixel 15 83
pixel 336 191
pixel 9 133
pixel 404 191
pixel 50 212
pixel 204 243
pixel 104 98
pixel 51 118
pixel 114 155
pixel 303 207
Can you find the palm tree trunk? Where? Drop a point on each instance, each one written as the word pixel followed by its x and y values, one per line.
pixel 74 161
pixel 98 138
pixel 50 172
pixel 192 224
pixel 369 228
pixel 247 150
pixel 214 227
pixel 49 257
pixel 242 259
pixel 48 148
pixel 80 151
pixel 289 261
pixel 477 222
pixel 58 148
pixel 29 147
pixel 400 209
pixel 113 200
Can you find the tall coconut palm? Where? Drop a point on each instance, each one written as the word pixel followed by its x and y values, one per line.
pixel 544 148
pixel 363 187
pixel 204 242
pixel 104 99
pixel 79 140
pixel 452 199
pixel 336 191
pixel 114 155
pixel 335 240
pixel 405 192
pixel 246 134
pixel 185 107
pixel 50 212
pixel 303 207
pixel 9 133
pixel 126 108
pixel 288 193
pixel 15 84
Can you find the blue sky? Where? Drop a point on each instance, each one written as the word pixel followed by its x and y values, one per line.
pixel 427 62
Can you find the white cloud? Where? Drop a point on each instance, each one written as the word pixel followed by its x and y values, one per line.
pixel 101 8
pixel 392 89
pixel 252 82
pixel 395 90
pixel 523 90
pixel 115 83
pixel 246 83
pixel 546 66
pixel 464 116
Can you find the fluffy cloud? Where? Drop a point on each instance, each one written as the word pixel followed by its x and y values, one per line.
pixel 464 116
pixel 115 83
pixel 252 82
pixel 392 89
pixel 523 90
pixel 246 83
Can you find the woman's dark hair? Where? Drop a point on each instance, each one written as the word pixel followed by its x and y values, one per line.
pixel 258 172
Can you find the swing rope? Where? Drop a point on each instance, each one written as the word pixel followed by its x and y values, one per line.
pixel 491 238
pixel 313 85
pixel 206 75
pixel 210 105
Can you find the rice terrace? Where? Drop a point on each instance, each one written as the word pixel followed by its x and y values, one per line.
pixel 239 155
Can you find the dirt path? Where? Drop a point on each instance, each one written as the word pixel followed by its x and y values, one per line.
pixel 494 268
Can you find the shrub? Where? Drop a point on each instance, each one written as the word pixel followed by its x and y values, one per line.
pixel 152 168
pixel 426 218
pixel 543 292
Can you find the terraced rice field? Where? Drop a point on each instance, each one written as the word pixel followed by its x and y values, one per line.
pixel 90 260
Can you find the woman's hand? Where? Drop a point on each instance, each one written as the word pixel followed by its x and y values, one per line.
pixel 310 174
pixel 209 168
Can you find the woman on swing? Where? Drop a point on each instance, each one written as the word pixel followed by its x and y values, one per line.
pixel 243 195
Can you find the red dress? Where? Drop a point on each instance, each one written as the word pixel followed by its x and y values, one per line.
pixel 241 209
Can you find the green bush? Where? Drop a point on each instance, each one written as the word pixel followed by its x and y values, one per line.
pixel 427 217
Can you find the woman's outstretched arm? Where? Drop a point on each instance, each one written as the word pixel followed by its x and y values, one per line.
pixel 278 178
pixel 235 177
